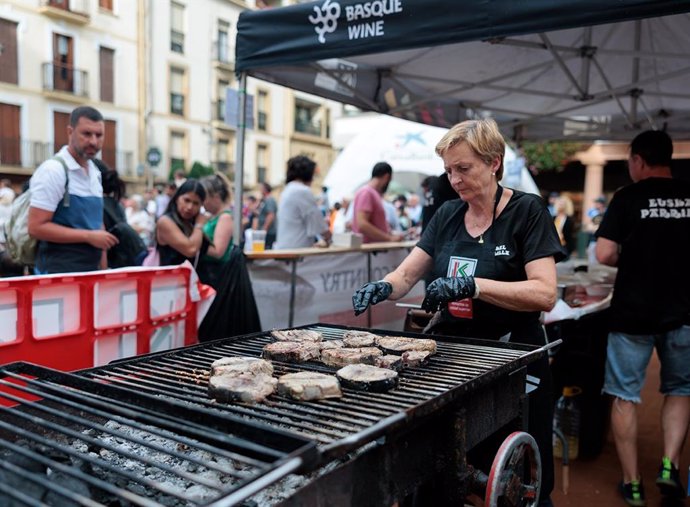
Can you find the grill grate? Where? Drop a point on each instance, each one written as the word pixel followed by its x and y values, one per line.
pixel 69 439
pixel 337 425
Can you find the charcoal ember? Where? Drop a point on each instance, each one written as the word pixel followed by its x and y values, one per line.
pixel 246 387
pixel 390 361
pixel 345 356
pixel 414 358
pixel 297 335
pixel 400 344
pixel 292 352
pixel 226 365
pixel 309 386
pixel 358 339
pixel 365 377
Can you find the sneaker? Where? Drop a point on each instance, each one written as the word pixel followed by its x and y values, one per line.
pixel 668 480
pixel 633 493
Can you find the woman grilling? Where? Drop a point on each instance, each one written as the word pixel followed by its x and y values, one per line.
pixel 492 255
pixel 179 231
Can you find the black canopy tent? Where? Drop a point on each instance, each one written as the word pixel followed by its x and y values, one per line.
pixel 581 69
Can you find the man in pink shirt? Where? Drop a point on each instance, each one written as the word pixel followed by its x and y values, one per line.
pixel 369 216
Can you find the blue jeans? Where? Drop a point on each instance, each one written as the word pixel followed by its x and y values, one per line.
pixel 627 357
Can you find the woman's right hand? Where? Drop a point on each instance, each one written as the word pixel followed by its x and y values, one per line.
pixel 370 293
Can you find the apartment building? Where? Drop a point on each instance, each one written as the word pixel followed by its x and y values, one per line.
pixel 160 72
pixel 54 56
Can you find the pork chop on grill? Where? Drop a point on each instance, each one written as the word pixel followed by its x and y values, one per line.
pixel 331 344
pixel 246 386
pixel 292 352
pixel 390 361
pixel 365 377
pixel 296 335
pixel 414 358
pixel 309 386
pixel 400 344
pixel 345 356
pixel 238 364
pixel 357 339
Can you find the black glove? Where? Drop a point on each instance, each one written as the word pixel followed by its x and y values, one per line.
pixel 370 294
pixel 443 290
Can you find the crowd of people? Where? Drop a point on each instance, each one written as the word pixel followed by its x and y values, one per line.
pixel 487 253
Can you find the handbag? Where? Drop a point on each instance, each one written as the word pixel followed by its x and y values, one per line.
pixel 153 258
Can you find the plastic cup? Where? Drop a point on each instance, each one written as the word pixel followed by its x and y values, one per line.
pixel 258 241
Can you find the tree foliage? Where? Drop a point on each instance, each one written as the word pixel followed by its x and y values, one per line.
pixel 549 155
pixel 200 170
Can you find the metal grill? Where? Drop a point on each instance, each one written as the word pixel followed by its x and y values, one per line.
pixel 337 425
pixel 67 440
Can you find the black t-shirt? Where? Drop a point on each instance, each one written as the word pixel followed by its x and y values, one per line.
pixel 650 220
pixel 522 233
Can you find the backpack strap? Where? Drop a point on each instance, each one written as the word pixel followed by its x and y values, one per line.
pixel 65 197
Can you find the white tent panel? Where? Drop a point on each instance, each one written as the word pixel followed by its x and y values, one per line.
pixel 409 148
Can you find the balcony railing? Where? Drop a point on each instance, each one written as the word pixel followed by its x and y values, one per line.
pixel 176 41
pixel 308 127
pixel 222 53
pixel 65 78
pixel 74 11
pixel 30 154
pixel 22 153
pixel 121 161
pixel 218 108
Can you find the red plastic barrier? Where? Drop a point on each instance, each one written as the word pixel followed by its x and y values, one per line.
pixel 76 321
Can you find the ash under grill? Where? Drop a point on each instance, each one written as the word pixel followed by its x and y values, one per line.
pixel 70 441
pixel 337 425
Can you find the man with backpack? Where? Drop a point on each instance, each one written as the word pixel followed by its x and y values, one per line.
pixel 69 229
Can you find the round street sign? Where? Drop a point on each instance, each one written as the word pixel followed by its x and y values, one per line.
pixel 153 156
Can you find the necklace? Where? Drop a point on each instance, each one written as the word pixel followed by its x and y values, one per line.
pixel 497 199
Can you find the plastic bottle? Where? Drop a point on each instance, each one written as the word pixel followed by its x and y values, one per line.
pixel 567 419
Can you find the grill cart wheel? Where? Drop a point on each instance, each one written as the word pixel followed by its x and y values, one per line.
pixel 515 477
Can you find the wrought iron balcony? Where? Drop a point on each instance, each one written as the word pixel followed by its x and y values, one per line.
pixel 218 109
pixel 62 78
pixel 312 128
pixel 22 153
pixel 223 53
pixel 28 155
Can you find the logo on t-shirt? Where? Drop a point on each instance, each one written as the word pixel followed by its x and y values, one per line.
pixel 461 266
pixel 501 250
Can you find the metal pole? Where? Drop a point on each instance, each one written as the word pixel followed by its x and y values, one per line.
pixel 239 160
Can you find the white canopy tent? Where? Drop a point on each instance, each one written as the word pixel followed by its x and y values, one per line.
pixel 409 148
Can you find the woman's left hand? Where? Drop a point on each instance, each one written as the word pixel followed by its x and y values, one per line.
pixel 443 290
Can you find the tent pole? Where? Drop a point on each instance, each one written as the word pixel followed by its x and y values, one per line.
pixel 239 160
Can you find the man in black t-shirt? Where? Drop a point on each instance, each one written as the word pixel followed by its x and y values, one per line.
pixel 646 233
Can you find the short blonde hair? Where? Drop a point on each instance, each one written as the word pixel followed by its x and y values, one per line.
pixel 482 136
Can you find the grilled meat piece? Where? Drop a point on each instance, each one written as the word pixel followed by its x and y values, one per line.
pixel 345 356
pixel 400 344
pixel 309 385
pixel 365 377
pixel 356 339
pixel 331 344
pixel 296 335
pixel 414 358
pixel 292 352
pixel 247 387
pixel 238 364
pixel 389 361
